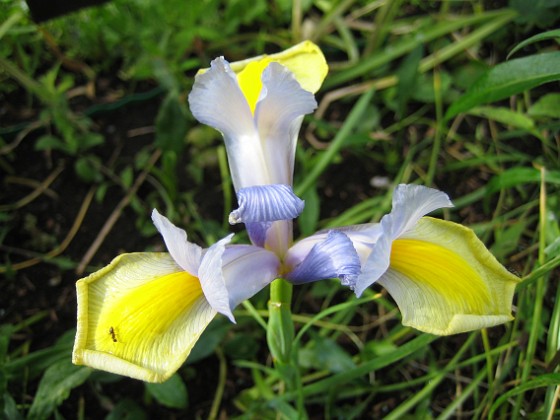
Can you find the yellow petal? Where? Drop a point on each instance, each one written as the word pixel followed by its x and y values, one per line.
pixel 305 60
pixel 445 281
pixel 140 317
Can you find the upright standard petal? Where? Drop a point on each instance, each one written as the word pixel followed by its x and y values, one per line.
pixel 279 114
pixel 259 111
pixel 217 100
pixel 445 281
pixel 140 317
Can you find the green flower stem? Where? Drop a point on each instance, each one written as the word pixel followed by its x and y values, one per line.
pixel 280 336
pixel 280 332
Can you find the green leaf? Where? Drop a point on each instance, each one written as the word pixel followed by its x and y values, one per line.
pixel 507 79
pixel 171 393
pixel 14 18
pixel 547 106
pixel 5 334
pixel 505 116
pixel 10 410
pixel 542 13
pixel 424 89
pixel 89 140
pixel 55 386
pixel 407 74
pixel 242 346
pixel 35 363
pixel 419 343
pixel 209 340
pixel 508 239
pixel 520 176
pixel 127 410
pixel 127 176
pixel 429 31
pixel 171 124
pixel 555 33
pixel 324 354
pixel 48 142
pixel 542 381
pixel 309 218
pixel 87 170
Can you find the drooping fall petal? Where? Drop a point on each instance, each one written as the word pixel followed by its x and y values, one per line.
pixel 445 281
pixel 410 203
pixel 333 256
pixel 140 316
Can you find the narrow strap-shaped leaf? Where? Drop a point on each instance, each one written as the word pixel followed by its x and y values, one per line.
pixel 509 79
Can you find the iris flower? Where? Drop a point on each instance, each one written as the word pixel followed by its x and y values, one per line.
pixel 259 111
pixel 141 315
pixel 439 273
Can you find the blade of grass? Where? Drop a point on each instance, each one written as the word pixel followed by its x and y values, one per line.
pixel 548 379
pixel 327 157
pixel 459 399
pixel 425 392
pixel 540 290
pixel 439 128
pixel 365 368
pixel 398 49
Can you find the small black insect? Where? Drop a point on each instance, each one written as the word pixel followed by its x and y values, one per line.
pixel 113 334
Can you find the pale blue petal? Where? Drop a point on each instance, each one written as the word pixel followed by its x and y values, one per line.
pixel 210 274
pixel 186 254
pixel 279 113
pixel 363 238
pixel 216 100
pixel 410 203
pixel 247 270
pixel 333 257
pixel 257 232
pixel 266 203
pixel 376 264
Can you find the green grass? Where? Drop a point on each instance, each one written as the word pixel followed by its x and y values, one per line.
pixel 417 92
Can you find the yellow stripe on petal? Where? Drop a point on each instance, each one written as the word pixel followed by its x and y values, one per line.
pixel 140 317
pixel 445 281
pixel 443 271
pixel 250 81
pixel 143 318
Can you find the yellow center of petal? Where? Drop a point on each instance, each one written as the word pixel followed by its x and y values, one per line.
pixel 442 270
pixel 137 322
pixel 250 81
